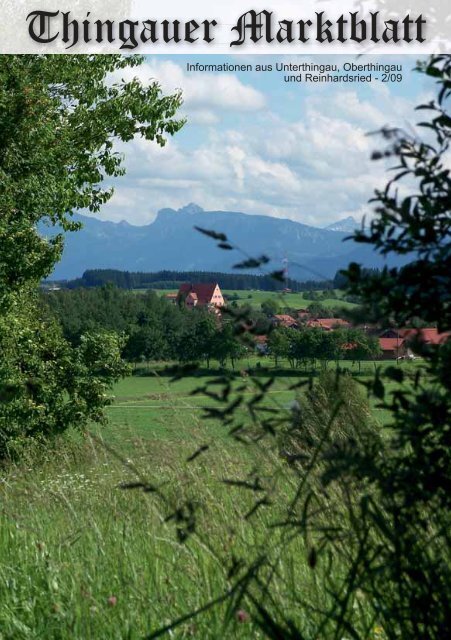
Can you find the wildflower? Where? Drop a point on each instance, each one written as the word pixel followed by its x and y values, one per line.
pixel 112 601
pixel 242 616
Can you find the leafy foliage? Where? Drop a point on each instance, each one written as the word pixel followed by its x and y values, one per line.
pixel 60 119
pixel 410 584
pixel 47 386
pixel 307 346
pixel 153 328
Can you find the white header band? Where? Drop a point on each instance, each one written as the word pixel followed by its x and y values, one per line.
pixel 198 27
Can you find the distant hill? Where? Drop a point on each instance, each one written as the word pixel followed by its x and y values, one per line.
pixel 170 242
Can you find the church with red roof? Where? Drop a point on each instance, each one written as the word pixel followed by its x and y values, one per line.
pixel 201 295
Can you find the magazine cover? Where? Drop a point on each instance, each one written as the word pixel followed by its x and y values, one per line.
pixel 225 320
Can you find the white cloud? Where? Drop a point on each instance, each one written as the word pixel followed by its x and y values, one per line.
pixel 323 178
pixel 204 94
pixel 314 169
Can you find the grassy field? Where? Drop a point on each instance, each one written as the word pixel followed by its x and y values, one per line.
pixel 292 300
pixel 82 558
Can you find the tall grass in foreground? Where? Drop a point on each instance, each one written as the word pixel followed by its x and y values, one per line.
pixel 82 558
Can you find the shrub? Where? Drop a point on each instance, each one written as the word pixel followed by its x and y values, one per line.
pixel 48 386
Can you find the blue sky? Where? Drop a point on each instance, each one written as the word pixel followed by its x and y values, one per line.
pixel 256 144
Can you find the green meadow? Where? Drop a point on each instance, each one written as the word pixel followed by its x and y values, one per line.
pixel 81 557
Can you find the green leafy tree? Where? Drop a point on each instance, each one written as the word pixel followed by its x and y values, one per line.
pixel 317 310
pixel 197 338
pixel 206 329
pixel 46 385
pixel 60 120
pixel 330 346
pixel 146 343
pixel 306 346
pixel 361 347
pixel 226 345
pixel 279 343
pixel 270 307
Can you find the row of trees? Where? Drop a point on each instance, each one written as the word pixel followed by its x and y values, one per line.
pixel 154 329
pixel 172 279
pixel 305 347
pixel 194 336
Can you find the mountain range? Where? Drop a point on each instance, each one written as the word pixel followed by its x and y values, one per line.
pixel 347 225
pixel 171 242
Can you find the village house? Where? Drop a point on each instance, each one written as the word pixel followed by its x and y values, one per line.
pixel 392 348
pixel 404 340
pixel 428 335
pixel 284 320
pixel 328 324
pixel 207 295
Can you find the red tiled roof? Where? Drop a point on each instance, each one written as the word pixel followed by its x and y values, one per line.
pixel 390 344
pixel 204 291
pixel 285 320
pixel 328 323
pixel 428 335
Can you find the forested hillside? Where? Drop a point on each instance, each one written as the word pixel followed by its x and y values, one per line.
pixel 173 279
